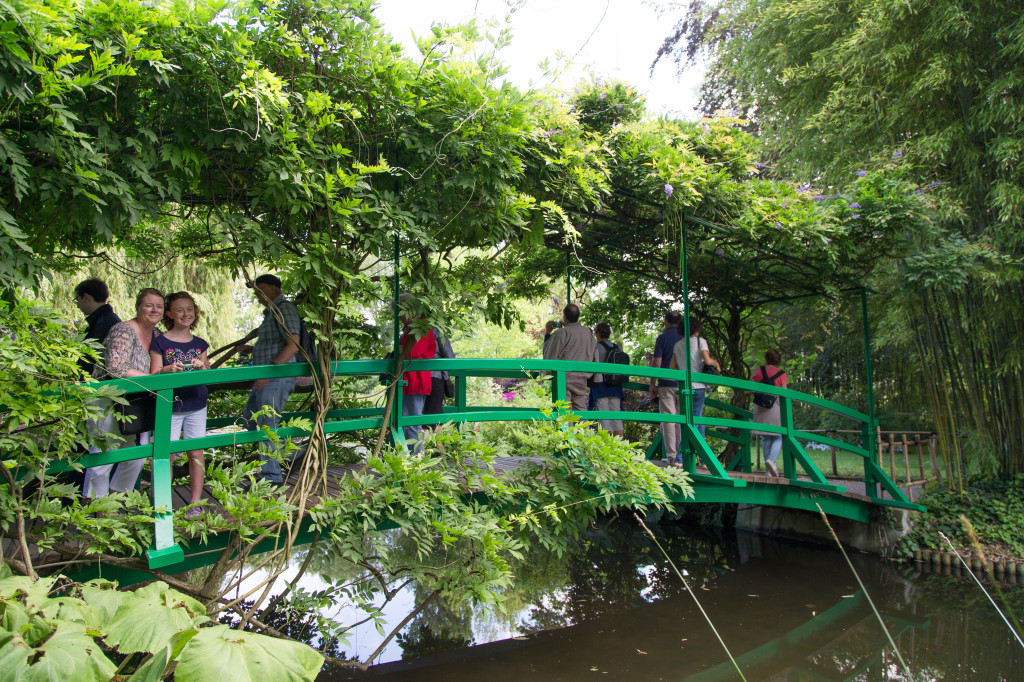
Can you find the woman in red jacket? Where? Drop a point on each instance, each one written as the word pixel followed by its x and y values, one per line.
pixel 417 388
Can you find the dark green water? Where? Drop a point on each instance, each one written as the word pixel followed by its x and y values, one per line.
pixel 614 610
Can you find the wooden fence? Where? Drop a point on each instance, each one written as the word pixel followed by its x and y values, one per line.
pixel 910 444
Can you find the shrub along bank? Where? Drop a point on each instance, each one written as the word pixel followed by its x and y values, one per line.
pixel 993 506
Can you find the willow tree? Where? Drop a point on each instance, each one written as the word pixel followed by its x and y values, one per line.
pixel 934 88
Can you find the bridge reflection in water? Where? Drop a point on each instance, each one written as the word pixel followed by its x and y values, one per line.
pixel 802 485
pixel 615 611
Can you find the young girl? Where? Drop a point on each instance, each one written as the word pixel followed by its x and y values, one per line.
pixel 178 350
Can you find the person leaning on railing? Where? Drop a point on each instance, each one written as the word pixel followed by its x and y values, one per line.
pixel 277 343
pixel 126 355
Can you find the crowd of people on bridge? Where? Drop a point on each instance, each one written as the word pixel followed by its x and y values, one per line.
pixel 572 341
pixel 138 347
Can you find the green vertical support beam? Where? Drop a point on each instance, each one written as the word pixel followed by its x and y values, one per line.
pixel 396 321
pixel 558 386
pixel 788 461
pixel 460 392
pixel 164 551
pixel 748 464
pixel 870 429
pixel 568 279
pixel 460 396
pixel 686 396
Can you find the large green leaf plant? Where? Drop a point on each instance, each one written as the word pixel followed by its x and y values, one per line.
pixel 54 629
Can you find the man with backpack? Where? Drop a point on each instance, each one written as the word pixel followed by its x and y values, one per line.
pixel 574 342
pixel 606 391
pixel 667 389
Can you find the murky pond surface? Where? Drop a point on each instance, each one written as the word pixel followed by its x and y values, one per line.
pixel 613 609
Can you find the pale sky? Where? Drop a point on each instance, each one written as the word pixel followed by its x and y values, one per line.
pixel 609 38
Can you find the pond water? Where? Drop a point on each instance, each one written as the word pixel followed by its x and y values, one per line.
pixel 614 609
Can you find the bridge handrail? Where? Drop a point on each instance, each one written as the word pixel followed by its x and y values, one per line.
pixel 476 367
pixel 453 365
pixel 459 367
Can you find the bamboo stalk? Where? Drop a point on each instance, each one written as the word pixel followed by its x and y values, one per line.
pixel 936 469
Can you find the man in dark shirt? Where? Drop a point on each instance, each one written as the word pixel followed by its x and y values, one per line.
pixel 668 399
pixel 91 298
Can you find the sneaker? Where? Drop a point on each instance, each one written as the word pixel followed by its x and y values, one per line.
pixel 769 467
pixel 195 512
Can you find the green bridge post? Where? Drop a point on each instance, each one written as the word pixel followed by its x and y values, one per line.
pixel 686 394
pixel 165 550
pixel 871 427
pixel 396 326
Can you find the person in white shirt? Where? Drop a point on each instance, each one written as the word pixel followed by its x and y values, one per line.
pixel 700 357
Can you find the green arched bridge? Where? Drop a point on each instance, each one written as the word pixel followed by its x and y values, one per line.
pixel 800 486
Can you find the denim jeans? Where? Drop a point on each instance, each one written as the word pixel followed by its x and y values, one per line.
pixel 412 406
pixel 698 406
pixel 772 447
pixel 274 394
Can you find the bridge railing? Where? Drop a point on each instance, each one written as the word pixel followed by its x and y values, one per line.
pixel 795 458
pixel 166 551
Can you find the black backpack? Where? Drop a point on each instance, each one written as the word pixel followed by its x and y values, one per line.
pixel 307 344
pixel 767 400
pixel 615 356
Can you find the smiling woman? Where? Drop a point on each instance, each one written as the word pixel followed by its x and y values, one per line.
pixel 126 355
